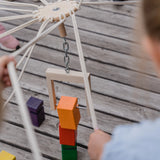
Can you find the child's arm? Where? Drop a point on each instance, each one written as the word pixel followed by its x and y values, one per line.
pixel 4 76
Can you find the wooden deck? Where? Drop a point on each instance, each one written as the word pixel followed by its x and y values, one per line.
pixel 107 40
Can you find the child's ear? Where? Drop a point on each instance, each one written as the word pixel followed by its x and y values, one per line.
pixel 152 47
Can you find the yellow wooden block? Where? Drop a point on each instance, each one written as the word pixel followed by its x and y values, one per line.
pixel 6 156
pixel 69 115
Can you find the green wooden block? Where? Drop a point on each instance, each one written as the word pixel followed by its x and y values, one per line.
pixel 69 152
pixel 66 147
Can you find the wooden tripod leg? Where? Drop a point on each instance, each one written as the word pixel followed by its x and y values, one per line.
pixel 87 103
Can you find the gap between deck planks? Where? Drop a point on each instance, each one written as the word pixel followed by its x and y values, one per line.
pixel 114 104
pixel 108 71
pixel 18 152
pixel 103 102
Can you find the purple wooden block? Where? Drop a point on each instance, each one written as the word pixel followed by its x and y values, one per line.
pixel 36 110
pixel 34 104
pixel 37 119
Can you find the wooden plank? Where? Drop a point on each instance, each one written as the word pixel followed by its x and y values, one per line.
pixel 90 25
pixel 49 127
pixel 102 103
pixel 108 71
pixel 93 52
pixel 127 10
pixel 95 46
pixel 108 44
pixel 107 87
pixel 106 17
pixel 19 153
pixel 48 145
pixel 107 123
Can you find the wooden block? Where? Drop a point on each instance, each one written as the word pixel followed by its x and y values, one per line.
pixel 6 156
pixel 67 136
pixel 69 152
pixel 53 74
pixel 68 147
pixel 62 30
pixel 69 115
pixel 36 110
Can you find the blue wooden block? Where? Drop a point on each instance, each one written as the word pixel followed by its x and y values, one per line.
pixel 36 110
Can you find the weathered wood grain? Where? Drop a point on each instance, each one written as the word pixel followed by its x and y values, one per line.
pixel 107 87
pixel 107 39
pixel 107 71
pixel 18 152
pixel 49 145
pixel 102 102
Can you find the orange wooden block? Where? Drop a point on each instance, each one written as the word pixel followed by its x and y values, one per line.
pixel 67 136
pixel 69 115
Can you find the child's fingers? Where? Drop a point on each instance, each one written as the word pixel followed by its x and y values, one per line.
pixel 5 60
pixel 7 84
pixel 5 72
pixel 5 79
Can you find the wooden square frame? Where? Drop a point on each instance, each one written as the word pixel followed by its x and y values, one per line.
pixel 60 75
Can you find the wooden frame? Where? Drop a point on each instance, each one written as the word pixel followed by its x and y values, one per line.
pixel 60 75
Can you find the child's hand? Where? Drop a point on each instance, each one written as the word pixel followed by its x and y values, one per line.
pixel 4 76
pixel 96 144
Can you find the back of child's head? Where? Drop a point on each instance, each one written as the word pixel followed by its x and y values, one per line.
pixel 151 17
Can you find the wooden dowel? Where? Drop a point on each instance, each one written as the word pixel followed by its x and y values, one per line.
pixel 14 9
pixel 83 67
pixel 15 17
pixel 62 30
pixel 24 112
pixel 37 38
pixel 29 52
pixel 18 28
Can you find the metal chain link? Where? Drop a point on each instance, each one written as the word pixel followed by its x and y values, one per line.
pixel 66 57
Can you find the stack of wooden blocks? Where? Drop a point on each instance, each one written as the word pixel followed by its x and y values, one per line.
pixel 69 117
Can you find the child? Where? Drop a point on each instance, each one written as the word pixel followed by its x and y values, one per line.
pixel 138 141
pixel 4 77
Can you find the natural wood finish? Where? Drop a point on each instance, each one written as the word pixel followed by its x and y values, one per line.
pixel 62 30
pixel 56 11
pixel 60 75
pixel 120 98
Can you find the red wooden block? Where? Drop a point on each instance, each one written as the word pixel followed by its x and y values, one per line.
pixel 67 136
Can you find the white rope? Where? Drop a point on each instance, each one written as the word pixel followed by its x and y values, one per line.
pixel 24 113
pixel 18 28
pixel 17 4
pixel 44 2
pixel 83 67
pixel 111 3
pixel 15 17
pixel 14 9
pixel 34 40
pixel 80 3
pixel 29 50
